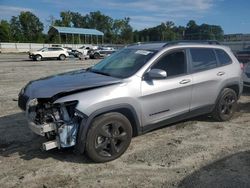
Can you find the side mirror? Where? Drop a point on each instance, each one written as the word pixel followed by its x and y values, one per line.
pixel 156 74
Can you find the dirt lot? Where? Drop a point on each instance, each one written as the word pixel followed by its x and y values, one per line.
pixel 194 153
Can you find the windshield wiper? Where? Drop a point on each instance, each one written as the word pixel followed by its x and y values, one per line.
pixel 99 72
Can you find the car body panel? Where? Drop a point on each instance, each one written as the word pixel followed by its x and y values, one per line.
pixel 67 82
pixel 164 98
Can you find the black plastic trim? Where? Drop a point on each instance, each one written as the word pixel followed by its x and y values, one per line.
pixel 193 113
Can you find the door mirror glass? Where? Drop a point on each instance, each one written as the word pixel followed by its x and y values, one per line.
pixel 157 74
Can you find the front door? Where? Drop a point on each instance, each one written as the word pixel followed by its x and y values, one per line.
pixel 165 98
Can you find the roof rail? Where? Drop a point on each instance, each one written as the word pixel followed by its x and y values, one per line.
pixel 149 42
pixel 192 41
pixel 169 43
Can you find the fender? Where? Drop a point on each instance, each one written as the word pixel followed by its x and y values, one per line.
pixel 87 120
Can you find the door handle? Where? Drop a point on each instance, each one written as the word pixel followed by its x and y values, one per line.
pixel 185 81
pixel 220 73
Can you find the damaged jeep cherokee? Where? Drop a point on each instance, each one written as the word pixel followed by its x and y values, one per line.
pixel 137 89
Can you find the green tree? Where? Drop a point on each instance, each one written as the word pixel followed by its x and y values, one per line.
pixel 4 31
pixel 78 20
pixel 31 27
pixel 101 22
pixel 127 31
pixel 66 18
pixel 15 30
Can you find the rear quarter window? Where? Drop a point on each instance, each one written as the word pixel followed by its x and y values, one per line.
pixel 203 59
pixel 223 57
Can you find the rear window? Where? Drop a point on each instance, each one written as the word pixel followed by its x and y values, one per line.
pixel 203 59
pixel 223 57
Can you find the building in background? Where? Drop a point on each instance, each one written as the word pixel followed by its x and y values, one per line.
pixel 237 37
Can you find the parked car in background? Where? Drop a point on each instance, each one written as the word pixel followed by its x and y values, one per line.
pixel 69 50
pixel 101 52
pixel 246 74
pixel 243 56
pixel 83 50
pixel 49 53
pixel 135 90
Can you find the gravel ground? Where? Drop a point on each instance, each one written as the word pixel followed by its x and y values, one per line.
pixel 195 153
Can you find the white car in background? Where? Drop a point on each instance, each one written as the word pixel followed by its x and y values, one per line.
pixel 83 50
pixel 49 53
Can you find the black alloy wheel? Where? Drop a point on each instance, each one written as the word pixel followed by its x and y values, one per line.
pixel 109 137
pixel 226 105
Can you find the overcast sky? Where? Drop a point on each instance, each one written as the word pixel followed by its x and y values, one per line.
pixel 232 15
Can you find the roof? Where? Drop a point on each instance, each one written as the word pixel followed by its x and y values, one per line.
pixel 147 46
pixel 73 30
pixel 160 45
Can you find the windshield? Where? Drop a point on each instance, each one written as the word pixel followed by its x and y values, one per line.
pixel 123 63
pixel 42 49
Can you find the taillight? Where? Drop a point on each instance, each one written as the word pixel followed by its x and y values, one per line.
pixel 243 66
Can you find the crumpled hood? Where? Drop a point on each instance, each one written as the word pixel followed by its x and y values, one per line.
pixel 65 83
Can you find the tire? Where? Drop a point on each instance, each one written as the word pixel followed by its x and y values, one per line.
pixel 38 57
pixel 225 106
pixel 96 56
pixel 62 57
pixel 109 137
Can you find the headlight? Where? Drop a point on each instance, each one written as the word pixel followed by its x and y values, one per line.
pixel 32 102
pixel 22 91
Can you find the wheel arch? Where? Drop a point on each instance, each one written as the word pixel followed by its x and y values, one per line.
pixel 232 85
pixel 236 88
pixel 125 109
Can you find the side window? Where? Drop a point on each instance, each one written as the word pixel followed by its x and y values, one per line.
pixel 223 57
pixel 173 63
pixel 203 59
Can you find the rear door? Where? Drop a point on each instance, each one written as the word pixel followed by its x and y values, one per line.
pixel 208 76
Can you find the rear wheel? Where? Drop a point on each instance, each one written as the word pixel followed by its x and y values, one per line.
pixel 109 137
pixel 96 56
pixel 62 57
pixel 38 57
pixel 225 106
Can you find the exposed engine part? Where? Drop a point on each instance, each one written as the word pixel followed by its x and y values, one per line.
pixel 58 122
pixel 50 145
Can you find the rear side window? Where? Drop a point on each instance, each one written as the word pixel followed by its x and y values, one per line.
pixel 203 59
pixel 55 49
pixel 223 57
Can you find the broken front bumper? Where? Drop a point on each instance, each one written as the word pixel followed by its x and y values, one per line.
pixel 41 129
pixel 64 131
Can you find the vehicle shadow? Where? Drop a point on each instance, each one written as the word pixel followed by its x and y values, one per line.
pixel 231 171
pixel 246 91
pixel 242 107
pixel 16 138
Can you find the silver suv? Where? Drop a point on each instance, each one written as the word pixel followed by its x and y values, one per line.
pixel 137 89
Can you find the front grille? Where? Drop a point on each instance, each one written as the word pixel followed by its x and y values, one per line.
pixel 22 101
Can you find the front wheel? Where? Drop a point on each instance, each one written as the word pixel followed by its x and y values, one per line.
pixel 62 57
pixel 226 105
pixel 38 58
pixel 109 137
pixel 96 56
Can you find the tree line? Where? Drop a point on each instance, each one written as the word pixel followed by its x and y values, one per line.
pixel 27 27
